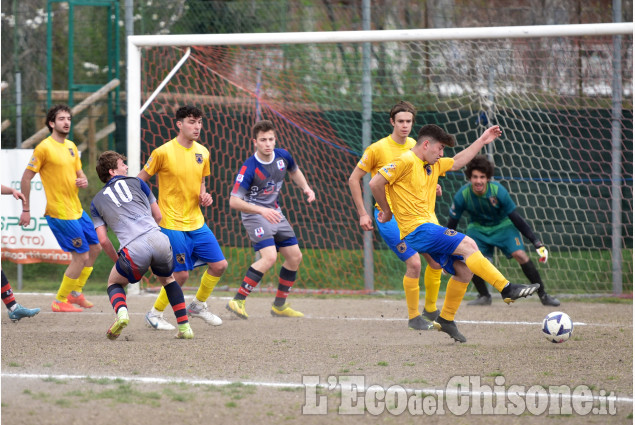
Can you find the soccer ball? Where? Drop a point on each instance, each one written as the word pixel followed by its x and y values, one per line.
pixel 557 326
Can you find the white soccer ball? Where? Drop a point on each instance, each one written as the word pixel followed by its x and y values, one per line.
pixel 557 327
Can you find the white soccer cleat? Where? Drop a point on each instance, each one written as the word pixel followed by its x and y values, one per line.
pixel 154 319
pixel 200 310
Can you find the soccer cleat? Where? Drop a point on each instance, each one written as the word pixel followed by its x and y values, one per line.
pixel 59 307
pixel 449 327
pixel 154 319
pixel 419 324
pixel 430 315
pixel 285 311
pixel 513 291
pixel 21 312
pixel 117 327
pixel 185 332
pixel 547 299
pixel 80 300
pixel 238 308
pixel 481 300
pixel 200 310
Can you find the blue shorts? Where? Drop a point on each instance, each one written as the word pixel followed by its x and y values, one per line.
pixel 74 235
pixel 390 234
pixel 437 241
pixel 507 239
pixel 193 248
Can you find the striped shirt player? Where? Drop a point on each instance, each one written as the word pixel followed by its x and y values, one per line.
pixel 57 160
pixel 495 222
pixel 255 194
pixel 181 166
pixel 127 206
pixel 411 182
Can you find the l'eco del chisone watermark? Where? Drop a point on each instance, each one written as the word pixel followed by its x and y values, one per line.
pixel 462 395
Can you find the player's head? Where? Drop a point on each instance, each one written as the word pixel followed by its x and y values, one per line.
pixel 111 161
pixel 402 117
pixel 264 138
pixel 189 120
pixel 479 171
pixel 482 164
pixel 262 126
pixel 58 118
pixel 433 139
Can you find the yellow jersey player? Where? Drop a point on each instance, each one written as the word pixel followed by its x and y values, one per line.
pixel 181 166
pixel 57 160
pixel 376 156
pixel 411 182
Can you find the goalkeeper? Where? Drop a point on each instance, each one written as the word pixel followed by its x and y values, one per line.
pixel 494 222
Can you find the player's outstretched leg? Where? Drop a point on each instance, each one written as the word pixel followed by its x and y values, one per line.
pixel 513 291
pixel 175 295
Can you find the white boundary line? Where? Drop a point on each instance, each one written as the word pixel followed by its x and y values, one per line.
pixel 264 384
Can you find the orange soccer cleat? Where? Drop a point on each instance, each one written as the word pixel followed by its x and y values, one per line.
pixel 79 300
pixel 67 307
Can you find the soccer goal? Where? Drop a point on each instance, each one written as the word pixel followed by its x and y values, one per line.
pixel 562 94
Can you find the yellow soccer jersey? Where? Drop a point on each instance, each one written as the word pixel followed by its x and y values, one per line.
pixel 180 172
pixel 58 164
pixel 412 185
pixel 381 153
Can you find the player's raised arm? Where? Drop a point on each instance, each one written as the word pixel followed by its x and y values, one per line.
pixel 462 158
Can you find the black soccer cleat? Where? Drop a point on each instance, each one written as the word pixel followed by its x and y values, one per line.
pixel 431 315
pixel 419 324
pixel 548 300
pixel 449 327
pixel 513 291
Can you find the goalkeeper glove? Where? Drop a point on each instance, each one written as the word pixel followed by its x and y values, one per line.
pixel 544 254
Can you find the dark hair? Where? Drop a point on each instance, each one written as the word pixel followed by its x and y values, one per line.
pixel 107 161
pixel 52 114
pixel 437 134
pixel 479 163
pixel 403 106
pixel 262 126
pixel 188 111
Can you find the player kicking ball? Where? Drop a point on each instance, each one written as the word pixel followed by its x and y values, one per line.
pixel 128 207
pixel 255 195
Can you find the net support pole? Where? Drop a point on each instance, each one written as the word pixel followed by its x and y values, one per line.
pixel 367 116
pixel 616 156
pixel 133 96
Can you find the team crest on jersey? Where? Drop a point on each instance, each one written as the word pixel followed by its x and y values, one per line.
pixel 240 178
pixel 401 247
pixel 450 232
pixel 32 162
pixel 71 151
pixel 259 232
pixel 77 242
pixel 428 169
pixel 363 160
pixel 494 201
pixel 180 258
pixel 280 164
pixel 199 158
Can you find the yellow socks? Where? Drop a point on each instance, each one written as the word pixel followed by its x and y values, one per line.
pixel 482 267
pixel 411 288
pixel 453 296
pixel 432 282
pixel 208 283
pixel 83 277
pixel 162 300
pixel 66 287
